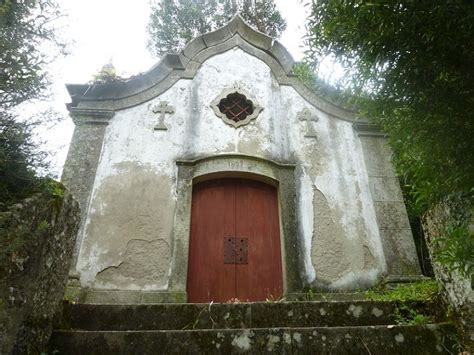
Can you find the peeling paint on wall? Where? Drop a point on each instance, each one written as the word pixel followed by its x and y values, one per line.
pixel 329 245
pixel 134 205
pixel 144 263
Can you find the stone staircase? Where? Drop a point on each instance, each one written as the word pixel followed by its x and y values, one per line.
pixel 317 327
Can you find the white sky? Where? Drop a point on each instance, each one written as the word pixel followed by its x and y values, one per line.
pixel 104 30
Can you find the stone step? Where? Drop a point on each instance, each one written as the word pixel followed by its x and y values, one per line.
pixel 229 316
pixel 408 339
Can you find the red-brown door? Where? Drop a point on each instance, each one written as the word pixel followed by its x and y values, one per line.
pixel 228 216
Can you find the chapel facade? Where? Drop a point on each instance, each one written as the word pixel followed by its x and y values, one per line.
pixel 218 175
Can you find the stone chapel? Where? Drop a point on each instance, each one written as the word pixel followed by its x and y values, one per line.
pixel 218 175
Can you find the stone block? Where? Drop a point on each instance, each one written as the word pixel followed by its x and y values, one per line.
pixel 208 341
pixel 216 37
pixel 324 314
pixel 391 215
pixel 193 47
pixel 419 340
pixel 377 156
pixel 256 38
pixel 163 297
pixel 165 316
pixel 173 61
pixel 40 232
pixel 385 189
pixel 400 252
pixel 236 24
pixel 184 60
pixel 205 54
pixel 392 340
pixel 112 296
pixel 283 56
pixel 159 72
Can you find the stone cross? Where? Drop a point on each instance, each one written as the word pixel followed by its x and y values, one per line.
pixel 162 108
pixel 305 115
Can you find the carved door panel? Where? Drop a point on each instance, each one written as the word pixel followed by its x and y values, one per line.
pixel 234 249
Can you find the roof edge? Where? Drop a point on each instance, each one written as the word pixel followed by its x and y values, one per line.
pixel 172 67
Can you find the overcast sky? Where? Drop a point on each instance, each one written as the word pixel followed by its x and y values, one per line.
pixel 104 30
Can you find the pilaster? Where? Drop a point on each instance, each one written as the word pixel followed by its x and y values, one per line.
pixel 83 158
pixel 392 219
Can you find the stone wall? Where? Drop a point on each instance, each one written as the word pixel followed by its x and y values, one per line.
pixel 457 289
pixel 37 238
pixel 392 219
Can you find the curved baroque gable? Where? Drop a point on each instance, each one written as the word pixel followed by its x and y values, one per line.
pixel 172 67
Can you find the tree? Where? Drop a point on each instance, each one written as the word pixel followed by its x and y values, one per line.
pixel 25 27
pixel 173 23
pixel 410 63
pixel 20 156
pixel 27 36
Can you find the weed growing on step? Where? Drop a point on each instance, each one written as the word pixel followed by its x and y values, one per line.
pixel 406 295
pixel 426 290
pixel 405 314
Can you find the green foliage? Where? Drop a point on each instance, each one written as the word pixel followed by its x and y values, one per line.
pixel 309 295
pixel 425 290
pixel 55 192
pixel 410 63
pixel 10 243
pixel 173 23
pixel 404 314
pixel 19 156
pixel 407 296
pixel 263 15
pixel 26 26
pixel 107 74
pixel 334 94
pixel 455 249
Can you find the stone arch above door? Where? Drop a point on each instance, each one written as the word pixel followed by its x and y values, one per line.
pixel 236 165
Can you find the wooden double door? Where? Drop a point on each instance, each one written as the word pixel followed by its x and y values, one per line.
pixel 234 250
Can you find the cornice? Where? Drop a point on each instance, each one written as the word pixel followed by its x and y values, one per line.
pixel 364 128
pixel 173 67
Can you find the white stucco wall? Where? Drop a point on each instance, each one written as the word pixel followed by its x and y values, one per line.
pixel 137 172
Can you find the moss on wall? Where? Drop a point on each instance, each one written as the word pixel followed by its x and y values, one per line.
pixel 37 238
pixel 449 231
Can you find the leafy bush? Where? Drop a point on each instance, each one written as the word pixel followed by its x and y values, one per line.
pixel 455 249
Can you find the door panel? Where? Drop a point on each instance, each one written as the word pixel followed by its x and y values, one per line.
pixel 212 219
pixel 234 208
pixel 257 219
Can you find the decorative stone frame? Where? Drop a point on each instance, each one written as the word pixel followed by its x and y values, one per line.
pixel 239 90
pixel 236 165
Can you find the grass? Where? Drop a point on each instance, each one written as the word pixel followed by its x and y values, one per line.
pixel 426 290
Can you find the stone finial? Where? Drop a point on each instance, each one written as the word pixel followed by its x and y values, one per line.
pixel 306 115
pixel 162 108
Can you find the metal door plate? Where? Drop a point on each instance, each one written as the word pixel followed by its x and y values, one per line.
pixel 229 250
pixel 236 250
pixel 241 251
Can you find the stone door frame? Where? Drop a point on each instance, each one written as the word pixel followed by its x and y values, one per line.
pixel 281 175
